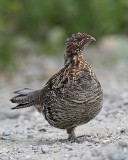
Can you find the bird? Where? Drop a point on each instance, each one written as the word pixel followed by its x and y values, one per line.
pixel 71 97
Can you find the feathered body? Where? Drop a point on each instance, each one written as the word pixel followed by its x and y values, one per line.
pixel 71 97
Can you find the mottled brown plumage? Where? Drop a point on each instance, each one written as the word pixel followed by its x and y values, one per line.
pixel 71 97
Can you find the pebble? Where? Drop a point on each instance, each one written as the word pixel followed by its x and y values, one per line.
pixel 123 144
pixel 30 136
pixel 100 117
pixel 68 147
pixel 6 133
pixel 13 139
pixel 34 147
pixel 28 158
pixel 4 154
pixel 42 130
pixel 122 131
pixel 118 156
pixel 29 128
pixel 66 155
pixel 55 151
pixel 96 153
pixel 20 150
pixel 2 138
pixel 44 149
pixel 106 141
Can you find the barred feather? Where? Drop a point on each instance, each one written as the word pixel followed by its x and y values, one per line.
pixel 23 91
pixel 26 98
pixel 23 105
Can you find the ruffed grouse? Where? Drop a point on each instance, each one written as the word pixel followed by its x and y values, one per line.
pixel 71 97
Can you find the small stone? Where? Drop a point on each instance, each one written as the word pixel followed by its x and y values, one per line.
pixel 13 139
pixel 96 153
pixel 2 138
pixel 6 133
pixel 122 131
pixel 118 156
pixel 30 137
pixel 58 143
pixel 4 154
pixel 56 151
pixel 42 130
pixel 28 158
pixel 16 126
pixel 123 144
pixel 29 128
pixel 68 147
pixel 66 155
pixel 34 147
pixel 100 117
pixel 44 149
pixel 20 150
pixel 106 141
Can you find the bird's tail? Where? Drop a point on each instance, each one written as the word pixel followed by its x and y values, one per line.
pixel 26 98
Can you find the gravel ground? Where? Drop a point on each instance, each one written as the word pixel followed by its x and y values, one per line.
pixel 26 135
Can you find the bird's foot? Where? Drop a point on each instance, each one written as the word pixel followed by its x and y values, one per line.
pixel 75 139
pixel 72 137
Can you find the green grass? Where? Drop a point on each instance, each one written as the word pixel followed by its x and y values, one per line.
pixel 46 23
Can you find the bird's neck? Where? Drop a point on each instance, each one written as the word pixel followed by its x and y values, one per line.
pixel 74 59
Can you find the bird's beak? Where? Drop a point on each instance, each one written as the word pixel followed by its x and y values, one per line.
pixel 92 38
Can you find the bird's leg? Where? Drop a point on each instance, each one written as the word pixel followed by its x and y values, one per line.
pixel 72 137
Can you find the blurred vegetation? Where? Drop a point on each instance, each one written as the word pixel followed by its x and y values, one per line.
pixel 43 25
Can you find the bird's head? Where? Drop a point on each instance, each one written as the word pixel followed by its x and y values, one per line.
pixel 77 42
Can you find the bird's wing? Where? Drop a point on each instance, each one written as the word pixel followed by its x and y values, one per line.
pixel 71 84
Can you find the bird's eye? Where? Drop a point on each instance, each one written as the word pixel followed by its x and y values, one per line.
pixel 79 39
